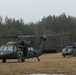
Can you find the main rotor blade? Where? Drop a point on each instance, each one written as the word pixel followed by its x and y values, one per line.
pixel 33 36
pixel 8 37
pixel 29 36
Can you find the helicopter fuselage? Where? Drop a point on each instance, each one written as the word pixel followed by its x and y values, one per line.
pixel 11 52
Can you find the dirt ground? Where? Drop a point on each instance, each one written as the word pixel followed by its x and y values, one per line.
pixel 50 64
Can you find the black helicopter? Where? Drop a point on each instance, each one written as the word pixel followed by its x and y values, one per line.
pixel 21 50
pixel 69 50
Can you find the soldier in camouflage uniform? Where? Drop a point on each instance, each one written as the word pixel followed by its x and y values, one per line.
pixel 74 51
pixel 20 54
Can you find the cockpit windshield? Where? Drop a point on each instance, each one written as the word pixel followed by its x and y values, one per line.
pixel 69 49
pixel 1 48
pixel 10 48
pixel 7 48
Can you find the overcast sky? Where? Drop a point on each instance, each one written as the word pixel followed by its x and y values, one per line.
pixel 35 10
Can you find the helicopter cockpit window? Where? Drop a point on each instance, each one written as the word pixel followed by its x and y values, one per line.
pixel 4 49
pixel 1 48
pixel 70 49
pixel 67 49
pixel 10 48
pixel 7 48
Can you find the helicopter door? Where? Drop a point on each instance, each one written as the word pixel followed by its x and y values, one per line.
pixel 25 51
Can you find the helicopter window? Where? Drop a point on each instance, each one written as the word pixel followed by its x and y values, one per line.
pixel 10 48
pixel 7 48
pixel 30 49
pixel 4 49
pixel 67 49
pixel 1 48
pixel 70 49
pixel 64 49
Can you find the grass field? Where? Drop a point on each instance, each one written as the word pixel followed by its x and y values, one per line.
pixel 50 64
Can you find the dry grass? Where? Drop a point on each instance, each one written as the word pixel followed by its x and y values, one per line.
pixel 50 63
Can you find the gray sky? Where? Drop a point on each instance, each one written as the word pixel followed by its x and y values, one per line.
pixel 34 10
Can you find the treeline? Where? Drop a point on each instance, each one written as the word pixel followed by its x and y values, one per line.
pixel 62 26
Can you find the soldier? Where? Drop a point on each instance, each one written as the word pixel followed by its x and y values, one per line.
pixel 20 54
pixel 74 51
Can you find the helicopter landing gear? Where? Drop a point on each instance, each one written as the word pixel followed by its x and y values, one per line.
pixel 63 55
pixel 38 59
pixel 3 60
pixel 73 55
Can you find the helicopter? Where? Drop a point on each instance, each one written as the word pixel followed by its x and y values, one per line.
pixel 69 50
pixel 21 50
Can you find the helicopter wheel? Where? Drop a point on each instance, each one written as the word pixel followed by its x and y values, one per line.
pixel 3 60
pixel 74 55
pixel 63 55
